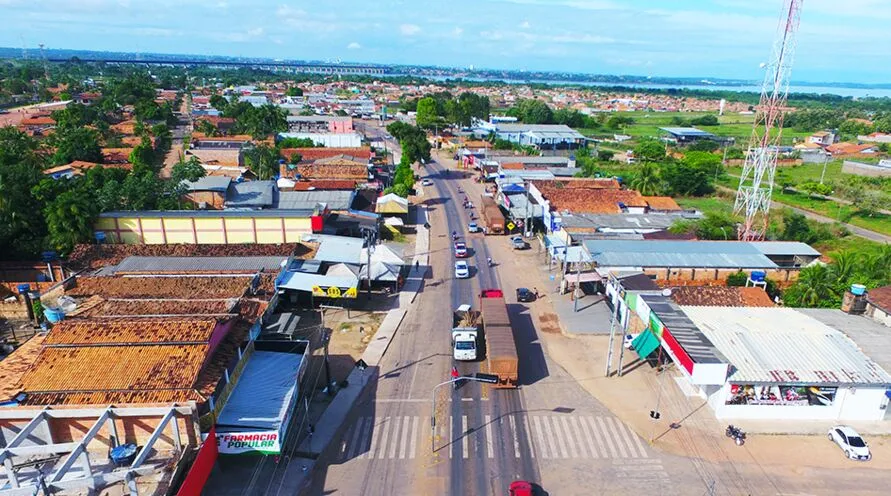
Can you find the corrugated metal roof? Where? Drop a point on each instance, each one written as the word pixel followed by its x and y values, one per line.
pixel 261 398
pixel 686 131
pixel 788 248
pixel 250 194
pixel 209 183
pixel 651 253
pixel 340 249
pixel 301 281
pixel 785 346
pixel 866 333
pixel 151 214
pixel 227 265
pixel 334 199
pixel 695 342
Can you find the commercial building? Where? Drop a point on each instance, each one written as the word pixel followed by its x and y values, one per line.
pixel 684 135
pixel 702 260
pixel 542 136
pixel 320 124
pixel 328 140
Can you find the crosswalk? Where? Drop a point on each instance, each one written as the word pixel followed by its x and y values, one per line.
pixel 546 437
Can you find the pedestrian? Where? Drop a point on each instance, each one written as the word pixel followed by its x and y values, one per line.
pixel 535 292
pixel 416 265
pixel 455 375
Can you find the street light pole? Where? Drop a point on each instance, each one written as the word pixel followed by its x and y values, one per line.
pixel 487 378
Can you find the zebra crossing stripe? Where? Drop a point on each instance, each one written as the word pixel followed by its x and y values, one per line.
pixel 385 436
pixel 490 448
pixel 618 438
pixel 528 438
pixel 573 452
pixel 576 428
pixel 465 448
pixel 513 430
pixel 542 449
pixel 628 436
pixel 413 447
pixel 406 425
pixel 357 432
pixel 586 430
pixel 609 441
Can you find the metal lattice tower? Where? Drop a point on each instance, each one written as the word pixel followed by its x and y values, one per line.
pixel 756 182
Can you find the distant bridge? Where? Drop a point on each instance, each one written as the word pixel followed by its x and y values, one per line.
pixel 269 66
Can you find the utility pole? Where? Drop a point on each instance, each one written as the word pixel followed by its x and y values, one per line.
pixel 612 324
pixel 578 284
pixel 370 235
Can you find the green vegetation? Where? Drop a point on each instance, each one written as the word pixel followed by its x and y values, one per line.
pixel 415 148
pixel 693 175
pixel 824 285
pixel 442 109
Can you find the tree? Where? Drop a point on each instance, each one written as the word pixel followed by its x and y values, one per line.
pixel 532 112
pixel 815 288
pixel 691 176
pixel 77 144
pixel 605 155
pixel 852 128
pixel 297 143
pixel 619 122
pixel 219 102
pixel 188 170
pixel 143 153
pixel 75 115
pixel 294 91
pixel 22 226
pixel 261 121
pixel 262 160
pixel 401 190
pixel 70 217
pixel 649 150
pixel 703 146
pixel 426 116
pixel 705 120
pixel 646 180
pixel 871 202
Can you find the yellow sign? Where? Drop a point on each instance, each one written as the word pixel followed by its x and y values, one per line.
pixel 318 291
pixel 333 292
pixel 510 226
pixel 351 293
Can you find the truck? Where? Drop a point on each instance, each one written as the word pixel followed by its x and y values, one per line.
pixel 465 334
pixel 491 215
pixel 501 348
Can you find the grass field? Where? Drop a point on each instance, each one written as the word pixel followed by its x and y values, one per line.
pixel 707 204
pixel 844 213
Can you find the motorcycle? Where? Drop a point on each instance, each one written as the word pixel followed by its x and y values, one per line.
pixel 491 262
pixel 737 434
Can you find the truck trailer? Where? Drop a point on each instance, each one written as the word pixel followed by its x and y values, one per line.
pixel 501 348
pixel 491 215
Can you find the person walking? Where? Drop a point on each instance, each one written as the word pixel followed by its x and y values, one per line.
pixel 455 375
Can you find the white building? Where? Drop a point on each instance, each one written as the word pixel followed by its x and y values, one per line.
pixel 544 136
pixel 329 140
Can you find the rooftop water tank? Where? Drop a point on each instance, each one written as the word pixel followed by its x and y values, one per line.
pixel 858 289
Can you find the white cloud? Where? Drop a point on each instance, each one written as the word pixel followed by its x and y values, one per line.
pixel 576 4
pixel 240 37
pixel 458 32
pixel 354 46
pixel 301 20
pixel 409 29
pixel 525 25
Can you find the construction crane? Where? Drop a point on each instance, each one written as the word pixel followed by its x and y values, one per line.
pixel 756 181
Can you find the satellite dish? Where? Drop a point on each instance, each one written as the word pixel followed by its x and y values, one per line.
pixel 666 292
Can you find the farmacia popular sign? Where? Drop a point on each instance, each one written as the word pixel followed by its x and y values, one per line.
pixel 262 442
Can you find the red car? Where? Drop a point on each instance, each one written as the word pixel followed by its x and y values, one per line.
pixel 460 250
pixel 520 488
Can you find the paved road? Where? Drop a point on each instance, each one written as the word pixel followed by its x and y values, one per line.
pixel 858 231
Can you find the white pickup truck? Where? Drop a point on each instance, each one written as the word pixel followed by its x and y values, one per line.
pixel 465 334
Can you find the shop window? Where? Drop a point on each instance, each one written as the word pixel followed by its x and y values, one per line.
pixel 747 394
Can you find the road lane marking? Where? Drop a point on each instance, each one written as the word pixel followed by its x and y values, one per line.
pixel 549 437
pixel 413 447
pixel 490 448
pixel 609 442
pixel 569 437
pixel 465 448
pixel 513 431
pixel 586 429
pixel 639 443
pixel 528 437
pixel 414 375
pixel 611 429
pixel 358 430
pixel 375 440
pixel 382 447
pixel 559 438
pixel 394 436
pixel 542 450
pixel 576 431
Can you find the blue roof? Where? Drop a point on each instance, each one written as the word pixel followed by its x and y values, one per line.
pixel 679 254
pixel 687 131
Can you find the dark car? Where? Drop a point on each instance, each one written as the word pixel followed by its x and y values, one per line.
pixel 525 295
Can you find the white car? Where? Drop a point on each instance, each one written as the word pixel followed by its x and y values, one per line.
pixel 462 271
pixel 850 442
pixel 427 182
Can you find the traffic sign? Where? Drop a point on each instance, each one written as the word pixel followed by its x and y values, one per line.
pixel 490 378
pixel 333 292
pixel 351 293
pixel 511 226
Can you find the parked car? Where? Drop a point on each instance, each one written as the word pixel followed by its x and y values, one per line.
pixel 427 182
pixel 520 488
pixel 462 271
pixel 460 250
pixel 525 295
pixel 850 442
pixel 473 227
pixel 518 243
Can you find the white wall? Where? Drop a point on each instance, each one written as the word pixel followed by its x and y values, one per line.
pixel 878 315
pixel 859 404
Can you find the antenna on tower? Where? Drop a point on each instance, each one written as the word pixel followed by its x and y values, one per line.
pixel 24 49
pixel 43 58
pixel 756 181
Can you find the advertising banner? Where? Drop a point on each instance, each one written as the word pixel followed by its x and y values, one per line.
pixel 258 442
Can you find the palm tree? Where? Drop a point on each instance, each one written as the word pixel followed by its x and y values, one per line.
pixel 262 160
pixel 844 265
pixel 815 288
pixel 647 180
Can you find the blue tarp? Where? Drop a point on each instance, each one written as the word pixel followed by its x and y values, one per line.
pixel 512 188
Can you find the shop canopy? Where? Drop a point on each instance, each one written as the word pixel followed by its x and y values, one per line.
pixel 645 344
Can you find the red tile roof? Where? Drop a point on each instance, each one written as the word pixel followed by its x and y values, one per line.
pixel 97 256
pixel 880 297
pixel 310 154
pixel 665 203
pixel 98 307
pixel 720 296
pixel 17 364
pixel 162 287
pixel 325 184
pixel 81 332
pixel 588 200
pixel 332 171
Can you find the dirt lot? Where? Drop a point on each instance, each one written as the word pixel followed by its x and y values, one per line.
pixel 349 337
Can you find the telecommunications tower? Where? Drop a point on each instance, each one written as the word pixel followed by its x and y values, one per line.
pixel 756 182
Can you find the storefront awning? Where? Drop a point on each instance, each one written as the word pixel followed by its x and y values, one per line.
pixel 645 343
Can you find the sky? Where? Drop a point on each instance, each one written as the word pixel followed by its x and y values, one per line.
pixel 839 41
